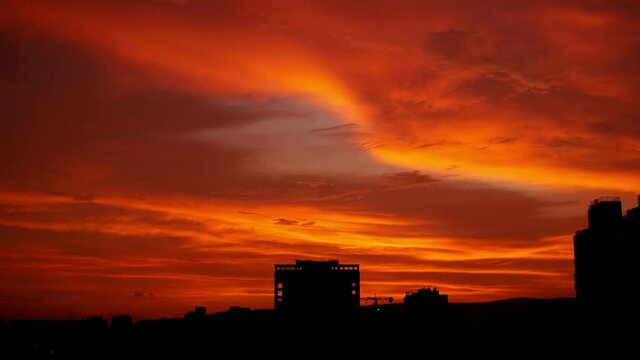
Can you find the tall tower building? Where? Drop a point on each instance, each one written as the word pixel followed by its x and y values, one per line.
pixel 605 255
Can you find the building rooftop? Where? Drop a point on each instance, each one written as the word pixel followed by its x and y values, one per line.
pixel 317 265
pixel 604 199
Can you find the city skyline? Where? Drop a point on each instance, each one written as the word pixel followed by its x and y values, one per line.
pixel 157 155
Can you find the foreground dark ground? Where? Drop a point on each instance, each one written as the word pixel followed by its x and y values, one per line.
pixel 529 325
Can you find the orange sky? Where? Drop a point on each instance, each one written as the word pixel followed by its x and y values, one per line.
pixel 157 155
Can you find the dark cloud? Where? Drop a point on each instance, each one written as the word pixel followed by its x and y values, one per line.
pixel 504 140
pixel 334 128
pixel 283 221
pixel 437 143
pixel 67 128
pixel 409 178
pixel 541 266
pixel 449 44
pixel 459 278
pixel 561 142
pixel 465 212
pixel 87 214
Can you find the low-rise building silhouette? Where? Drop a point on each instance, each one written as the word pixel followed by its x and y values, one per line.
pixel 605 256
pixel 200 312
pixel 317 287
pixel 121 324
pixel 426 302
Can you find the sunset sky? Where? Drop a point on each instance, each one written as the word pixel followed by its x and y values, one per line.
pixel 157 155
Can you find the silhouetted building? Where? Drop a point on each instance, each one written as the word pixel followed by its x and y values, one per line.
pixel 426 302
pixel 317 287
pixel 121 324
pixel 605 254
pixel 199 313
pixel 239 310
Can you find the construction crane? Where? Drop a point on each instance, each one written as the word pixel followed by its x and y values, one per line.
pixel 375 299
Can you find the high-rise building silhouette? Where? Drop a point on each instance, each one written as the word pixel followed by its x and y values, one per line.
pixel 317 287
pixel 606 254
